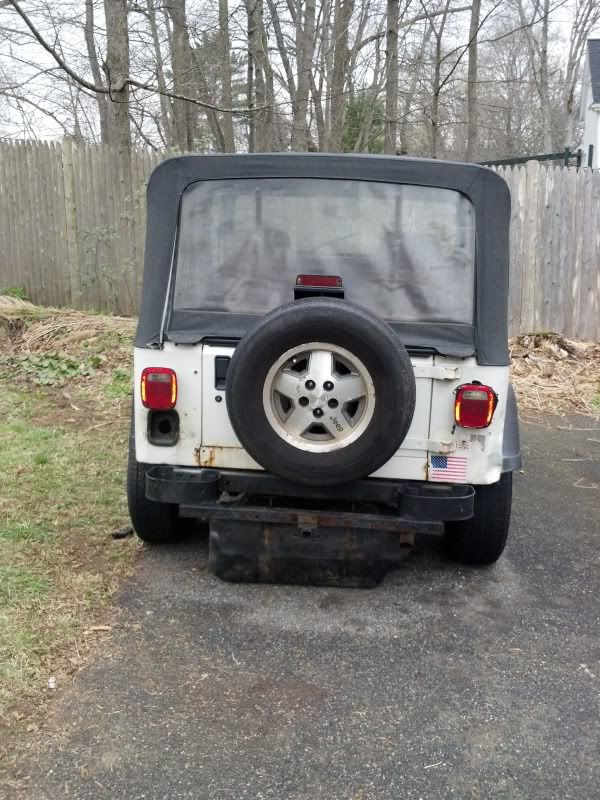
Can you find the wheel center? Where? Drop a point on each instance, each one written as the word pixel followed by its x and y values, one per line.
pixel 319 397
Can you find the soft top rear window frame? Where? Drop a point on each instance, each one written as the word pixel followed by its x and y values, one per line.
pixel 487 338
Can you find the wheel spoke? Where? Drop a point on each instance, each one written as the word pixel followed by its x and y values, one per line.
pixel 348 388
pixel 298 421
pixel 320 366
pixel 332 428
pixel 287 384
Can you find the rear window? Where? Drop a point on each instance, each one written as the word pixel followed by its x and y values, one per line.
pixel 405 252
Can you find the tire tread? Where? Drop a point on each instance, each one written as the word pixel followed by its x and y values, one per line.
pixel 154 523
pixel 481 540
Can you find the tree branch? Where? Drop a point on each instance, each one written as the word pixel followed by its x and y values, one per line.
pixel 92 87
pixel 406 24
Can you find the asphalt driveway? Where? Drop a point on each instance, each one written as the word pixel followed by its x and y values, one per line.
pixel 442 682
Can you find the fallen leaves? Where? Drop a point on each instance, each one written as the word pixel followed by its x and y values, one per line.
pixel 553 374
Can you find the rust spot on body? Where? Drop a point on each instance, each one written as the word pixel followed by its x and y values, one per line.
pixel 206 456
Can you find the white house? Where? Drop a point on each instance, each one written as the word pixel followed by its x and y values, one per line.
pixel 589 112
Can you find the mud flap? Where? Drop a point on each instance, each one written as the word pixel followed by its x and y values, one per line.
pixel 267 552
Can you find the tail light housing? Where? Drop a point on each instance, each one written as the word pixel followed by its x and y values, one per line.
pixel 310 285
pixel 324 281
pixel 159 388
pixel 474 405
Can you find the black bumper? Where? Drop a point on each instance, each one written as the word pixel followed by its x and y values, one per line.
pixel 207 494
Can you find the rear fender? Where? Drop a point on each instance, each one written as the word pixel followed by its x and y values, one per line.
pixel 511 442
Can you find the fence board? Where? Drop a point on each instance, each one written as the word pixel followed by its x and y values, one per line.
pixel 72 218
pixel 10 276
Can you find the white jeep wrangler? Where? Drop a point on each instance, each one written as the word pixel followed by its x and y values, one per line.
pixel 321 362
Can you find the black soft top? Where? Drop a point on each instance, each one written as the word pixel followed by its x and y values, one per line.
pixel 487 338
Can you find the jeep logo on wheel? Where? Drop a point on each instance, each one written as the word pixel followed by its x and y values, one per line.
pixel 337 423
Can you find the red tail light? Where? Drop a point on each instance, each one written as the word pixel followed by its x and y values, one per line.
pixel 159 388
pixel 474 405
pixel 322 281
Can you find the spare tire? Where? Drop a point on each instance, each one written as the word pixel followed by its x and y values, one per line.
pixel 321 392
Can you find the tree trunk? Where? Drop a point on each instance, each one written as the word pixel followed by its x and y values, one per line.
pixel 437 83
pixel 226 93
pixel 184 113
pixel 390 130
pixel 250 88
pixel 472 109
pixel 95 68
pixel 166 108
pixel 117 69
pixel 263 87
pixel 283 52
pixel 305 42
pixel 341 57
pixel 544 88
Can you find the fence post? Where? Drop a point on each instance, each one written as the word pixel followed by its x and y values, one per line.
pixel 591 156
pixel 530 247
pixel 71 232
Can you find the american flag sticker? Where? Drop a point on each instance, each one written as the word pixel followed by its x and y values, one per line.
pixel 450 469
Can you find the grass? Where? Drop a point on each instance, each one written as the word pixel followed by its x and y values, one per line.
pixel 119 384
pixel 62 462
pixel 17 292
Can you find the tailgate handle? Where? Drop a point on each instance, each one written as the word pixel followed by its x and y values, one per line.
pixel 221 367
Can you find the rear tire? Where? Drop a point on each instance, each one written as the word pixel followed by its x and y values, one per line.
pixel 154 523
pixel 481 540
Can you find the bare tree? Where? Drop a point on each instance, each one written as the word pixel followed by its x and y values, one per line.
pixel 116 67
pixel 305 44
pixel 184 113
pixel 166 122
pixel 391 74
pixel 259 76
pixel 438 33
pixel 472 110
pixel 341 56
pixel 226 92
pixel 95 68
pixel 430 78
pixel 586 16
pixel 535 22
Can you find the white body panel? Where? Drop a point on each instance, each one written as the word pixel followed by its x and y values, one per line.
pixel 207 438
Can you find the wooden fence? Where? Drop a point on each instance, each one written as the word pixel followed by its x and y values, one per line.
pixel 72 226
pixel 554 250
pixel 73 223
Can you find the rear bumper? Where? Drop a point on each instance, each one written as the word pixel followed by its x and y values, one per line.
pixel 400 505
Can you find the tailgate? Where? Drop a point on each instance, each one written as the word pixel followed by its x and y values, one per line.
pixel 221 447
